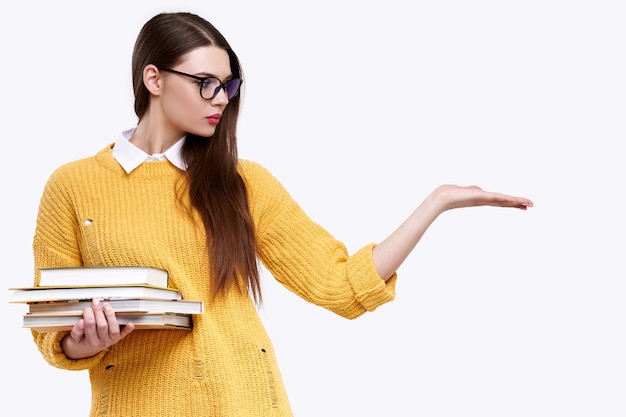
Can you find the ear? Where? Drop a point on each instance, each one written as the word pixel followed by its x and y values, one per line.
pixel 152 79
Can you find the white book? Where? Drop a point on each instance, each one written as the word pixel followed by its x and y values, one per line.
pixel 43 323
pixel 38 294
pixel 74 308
pixel 103 275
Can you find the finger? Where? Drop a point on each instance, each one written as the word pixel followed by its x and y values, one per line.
pixel 518 202
pixel 89 325
pixel 78 330
pixel 127 329
pixel 101 322
pixel 509 201
pixel 113 330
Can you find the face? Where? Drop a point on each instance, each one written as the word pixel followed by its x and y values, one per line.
pixel 183 109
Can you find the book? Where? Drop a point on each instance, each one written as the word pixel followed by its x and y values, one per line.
pixel 45 323
pixel 103 275
pixel 119 306
pixel 38 294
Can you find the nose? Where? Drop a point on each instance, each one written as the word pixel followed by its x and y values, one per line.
pixel 221 97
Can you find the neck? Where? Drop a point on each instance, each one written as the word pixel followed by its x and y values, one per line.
pixel 152 138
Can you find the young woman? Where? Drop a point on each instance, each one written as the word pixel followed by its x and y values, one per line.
pixel 172 193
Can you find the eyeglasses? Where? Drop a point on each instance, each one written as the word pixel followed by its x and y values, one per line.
pixel 211 86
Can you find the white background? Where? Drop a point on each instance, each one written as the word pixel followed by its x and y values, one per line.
pixel 361 109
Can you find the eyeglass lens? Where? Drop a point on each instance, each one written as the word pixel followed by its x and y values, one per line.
pixel 211 87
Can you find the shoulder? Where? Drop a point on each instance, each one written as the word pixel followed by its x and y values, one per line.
pixel 80 169
pixel 248 166
pixel 264 189
pixel 253 172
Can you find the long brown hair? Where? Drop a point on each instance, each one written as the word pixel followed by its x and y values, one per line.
pixel 216 189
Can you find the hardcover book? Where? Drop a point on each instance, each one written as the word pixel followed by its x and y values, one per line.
pixel 45 323
pixel 103 275
pixel 37 294
pixel 119 306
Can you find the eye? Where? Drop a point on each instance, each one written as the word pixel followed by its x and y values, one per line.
pixel 210 83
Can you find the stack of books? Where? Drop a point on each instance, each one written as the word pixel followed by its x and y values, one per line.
pixel 137 294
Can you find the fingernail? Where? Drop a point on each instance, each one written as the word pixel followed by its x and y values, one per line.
pixel 107 306
pixel 96 301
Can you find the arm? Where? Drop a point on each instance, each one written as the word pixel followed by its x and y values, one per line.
pixel 56 245
pixel 306 258
pixel 310 262
pixel 390 253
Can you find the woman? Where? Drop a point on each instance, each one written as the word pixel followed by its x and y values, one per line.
pixel 173 194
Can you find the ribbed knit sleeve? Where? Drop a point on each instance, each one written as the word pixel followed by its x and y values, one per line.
pixel 55 244
pixel 306 258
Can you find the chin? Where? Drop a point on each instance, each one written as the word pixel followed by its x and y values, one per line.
pixel 206 132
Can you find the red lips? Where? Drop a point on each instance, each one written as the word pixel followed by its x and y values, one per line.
pixel 214 118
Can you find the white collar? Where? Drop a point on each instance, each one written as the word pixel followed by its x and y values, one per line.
pixel 130 156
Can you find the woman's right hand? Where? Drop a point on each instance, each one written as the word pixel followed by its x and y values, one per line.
pixel 96 331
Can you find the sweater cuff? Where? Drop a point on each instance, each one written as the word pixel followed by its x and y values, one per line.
pixel 369 288
pixel 57 358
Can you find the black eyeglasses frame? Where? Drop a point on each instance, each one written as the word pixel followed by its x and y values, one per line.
pixel 202 80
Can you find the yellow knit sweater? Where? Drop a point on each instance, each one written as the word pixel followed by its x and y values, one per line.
pixel 93 213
